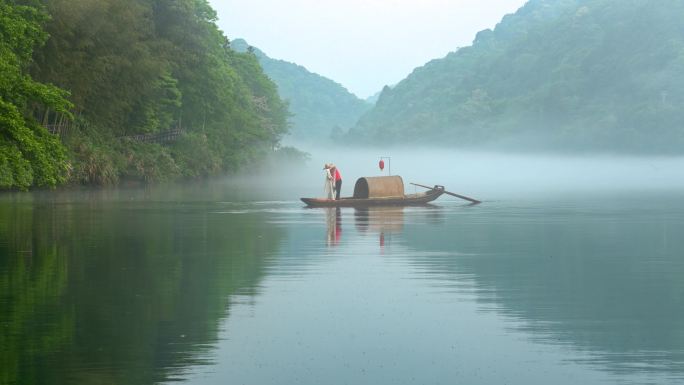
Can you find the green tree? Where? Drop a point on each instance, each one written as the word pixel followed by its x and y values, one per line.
pixel 136 67
pixel 29 155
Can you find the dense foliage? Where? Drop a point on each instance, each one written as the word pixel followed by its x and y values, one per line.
pixel 29 155
pixel 573 74
pixel 133 69
pixel 319 106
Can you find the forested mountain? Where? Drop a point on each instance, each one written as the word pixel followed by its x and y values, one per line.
pixel 373 98
pixel 318 104
pixel 602 75
pixel 107 77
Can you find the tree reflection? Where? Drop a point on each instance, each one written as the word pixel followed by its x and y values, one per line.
pixel 610 286
pixel 33 281
pixel 119 292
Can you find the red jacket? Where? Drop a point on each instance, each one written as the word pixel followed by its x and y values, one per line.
pixel 338 176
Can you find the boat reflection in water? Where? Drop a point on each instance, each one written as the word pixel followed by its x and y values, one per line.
pixel 333 217
pixel 381 221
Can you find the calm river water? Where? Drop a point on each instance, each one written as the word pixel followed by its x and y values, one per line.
pixel 218 284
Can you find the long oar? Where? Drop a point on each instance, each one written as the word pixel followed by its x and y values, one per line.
pixel 475 201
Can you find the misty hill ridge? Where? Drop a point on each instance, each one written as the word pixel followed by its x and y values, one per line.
pixel 317 103
pixel 601 75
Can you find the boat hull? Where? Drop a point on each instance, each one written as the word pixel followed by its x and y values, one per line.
pixel 406 200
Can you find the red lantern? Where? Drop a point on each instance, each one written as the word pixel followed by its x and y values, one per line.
pixel 381 164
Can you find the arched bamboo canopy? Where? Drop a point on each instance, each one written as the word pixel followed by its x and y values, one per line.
pixel 379 187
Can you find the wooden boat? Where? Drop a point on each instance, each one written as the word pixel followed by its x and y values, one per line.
pixel 379 191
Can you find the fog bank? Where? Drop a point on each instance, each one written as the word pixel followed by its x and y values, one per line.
pixel 486 175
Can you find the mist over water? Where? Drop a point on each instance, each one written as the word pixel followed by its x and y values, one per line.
pixel 488 175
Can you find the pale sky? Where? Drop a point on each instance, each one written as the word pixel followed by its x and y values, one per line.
pixel 361 44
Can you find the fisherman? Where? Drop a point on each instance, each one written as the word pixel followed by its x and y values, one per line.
pixel 329 182
pixel 335 172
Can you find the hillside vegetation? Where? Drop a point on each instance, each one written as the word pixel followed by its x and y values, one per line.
pixel 319 106
pixel 105 77
pixel 599 75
